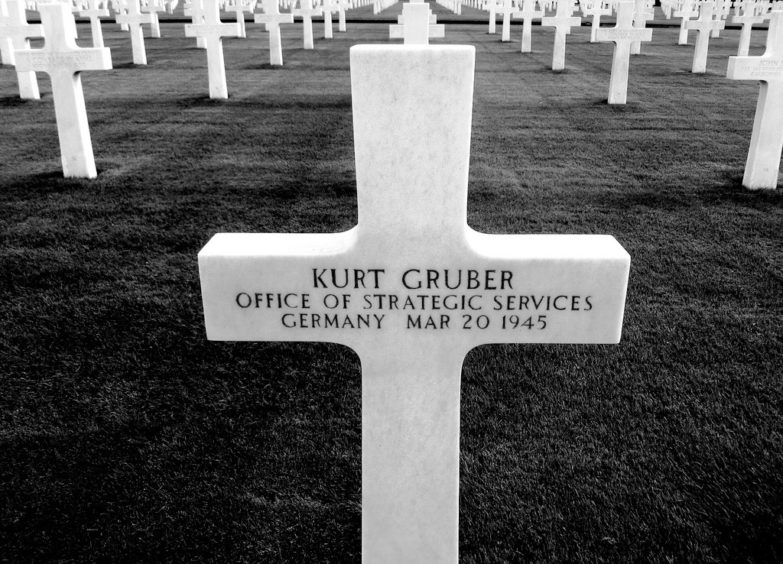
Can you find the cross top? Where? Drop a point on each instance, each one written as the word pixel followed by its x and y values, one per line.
pixel 272 14
pixel 13 23
pixel 530 9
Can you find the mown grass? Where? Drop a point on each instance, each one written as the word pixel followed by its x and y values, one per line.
pixel 125 435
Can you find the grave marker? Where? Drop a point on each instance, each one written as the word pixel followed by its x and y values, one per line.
pixel 688 10
pixel 6 46
pixel 766 142
pixel 704 25
pixel 562 21
pixel 213 31
pixel 508 8
pixel 747 19
pixel 152 7
pixel 596 9
pixel 195 9
pixel 342 6
pixel 63 61
pixel 624 33
pixel 528 14
pixel 273 18
pixel 416 16
pixel 306 10
pixel 133 18
pixel 328 7
pixel 412 289
pixel 492 6
pixel 96 9
pixel 15 28
pixel 640 16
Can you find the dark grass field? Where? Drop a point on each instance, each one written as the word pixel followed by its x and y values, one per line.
pixel 126 436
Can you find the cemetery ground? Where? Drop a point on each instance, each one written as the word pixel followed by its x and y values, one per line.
pixel 127 436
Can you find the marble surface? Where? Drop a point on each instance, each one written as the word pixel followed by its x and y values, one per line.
pixel 412 289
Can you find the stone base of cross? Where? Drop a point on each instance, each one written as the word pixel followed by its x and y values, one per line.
pixel 63 61
pixel 412 289
pixel 766 143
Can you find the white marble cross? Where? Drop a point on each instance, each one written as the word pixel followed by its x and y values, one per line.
pixel 562 21
pixel 641 14
pixel 688 10
pixel 328 7
pixel 528 13
pixel 306 11
pixel 766 142
pixel 492 7
pixel 342 6
pixel 418 24
pixel 15 28
pixel 63 61
pixel 747 19
pixel 596 9
pixel 6 46
pixel 195 10
pixel 153 7
pixel 412 288
pixel 96 9
pixel 273 18
pixel 134 19
pixel 704 25
pixel 239 7
pixel 624 33
pixel 213 31
pixel 507 9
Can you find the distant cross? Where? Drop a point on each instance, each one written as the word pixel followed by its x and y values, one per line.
pixel 63 61
pixel 624 33
pixel 721 9
pixel 96 9
pixel 507 9
pixel 342 6
pixel 747 19
pixel 306 11
pixel 119 8
pixel 412 245
pixel 273 18
pixel 596 9
pixel 134 19
pixel 239 7
pixel 492 7
pixel 528 13
pixel 195 10
pixel 562 21
pixel 6 45
pixel 153 7
pixel 687 11
pixel 641 14
pixel 213 31
pixel 328 7
pixel 15 28
pixel 418 24
pixel 704 25
pixel 766 142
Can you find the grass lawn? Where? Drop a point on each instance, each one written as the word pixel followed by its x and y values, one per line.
pixel 126 436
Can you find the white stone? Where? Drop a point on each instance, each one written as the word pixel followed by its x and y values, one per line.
pixel 133 18
pixel 306 11
pixel 213 31
pixel 153 7
pixel 596 9
pixel 14 27
pixel 766 142
pixel 96 9
pixel 492 7
pixel 63 61
pixel 273 18
pixel 417 25
pixel 507 9
pixel 412 242
pixel 195 10
pixel 704 25
pixel 624 33
pixel 747 19
pixel 528 13
pixel 641 14
pixel 562 21
pixel 687 11
pixel 6 46
pixel 342 6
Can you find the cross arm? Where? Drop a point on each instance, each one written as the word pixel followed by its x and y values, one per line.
pixel 755 68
